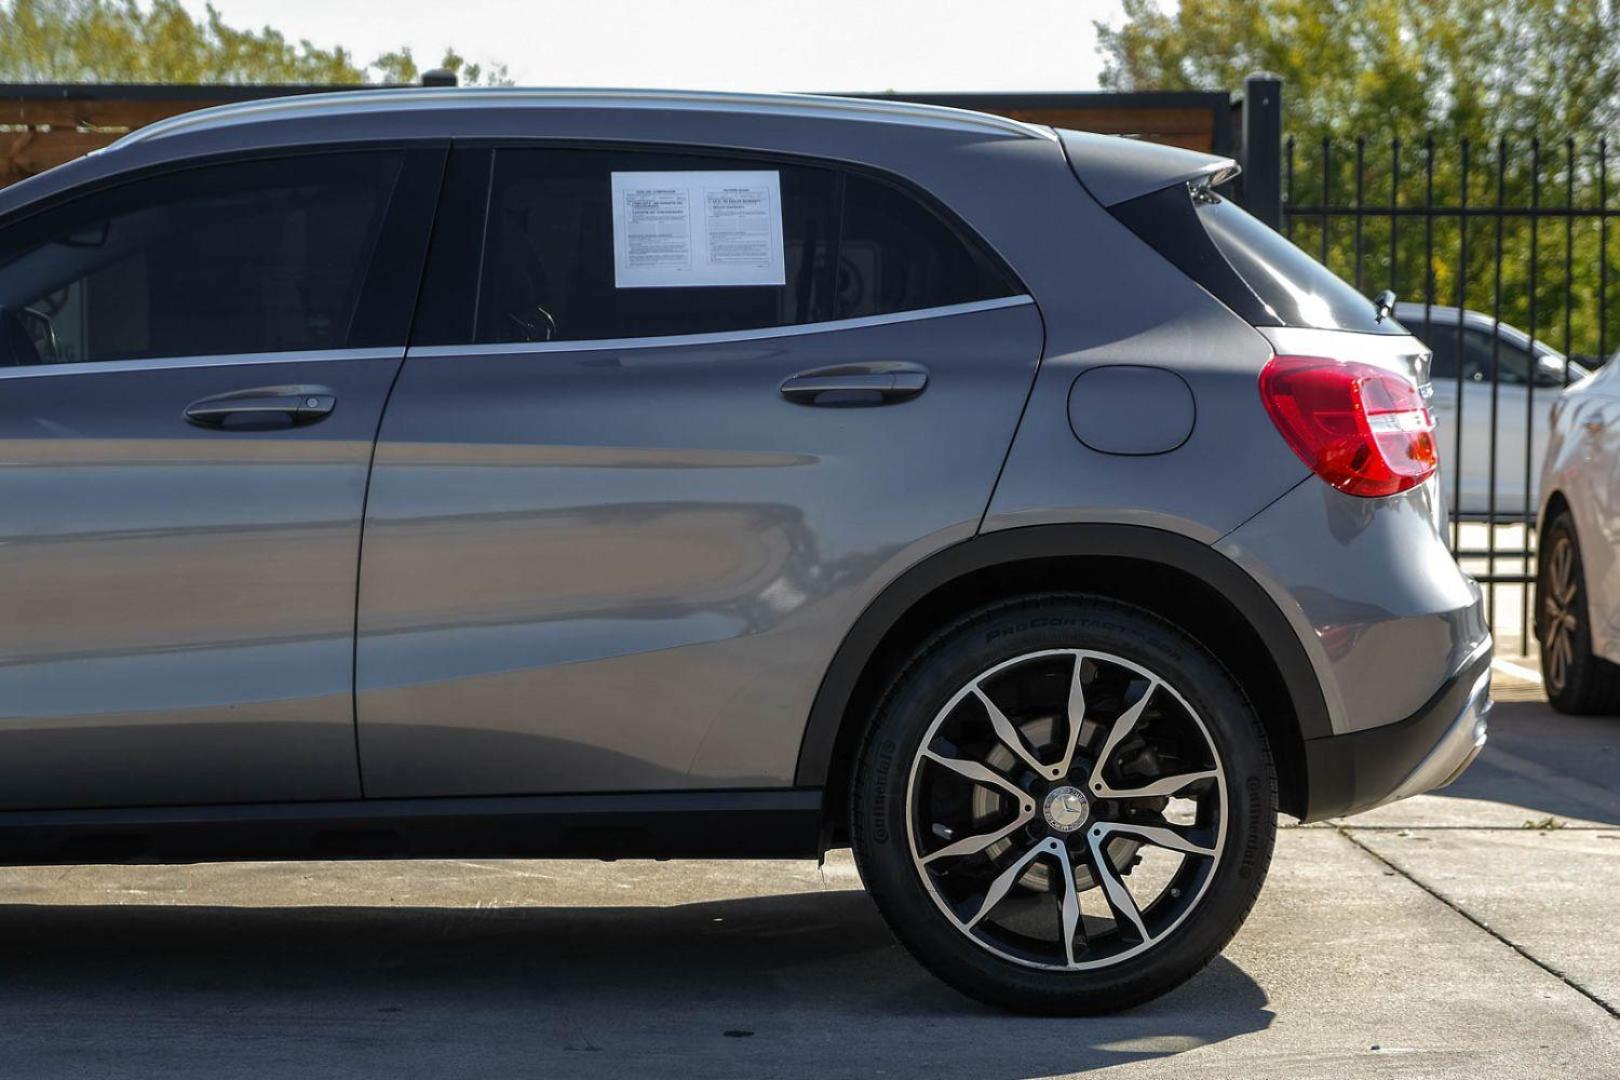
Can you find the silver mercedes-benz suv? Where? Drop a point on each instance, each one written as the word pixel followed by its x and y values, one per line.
pixel 508 473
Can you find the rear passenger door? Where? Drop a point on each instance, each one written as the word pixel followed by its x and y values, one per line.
pixel 668 423
pixel 193 365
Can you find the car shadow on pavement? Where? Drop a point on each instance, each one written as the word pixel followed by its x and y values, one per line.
pixel 1547 764
pixel 783 985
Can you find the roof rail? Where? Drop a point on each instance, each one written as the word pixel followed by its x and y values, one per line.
pixel 388 100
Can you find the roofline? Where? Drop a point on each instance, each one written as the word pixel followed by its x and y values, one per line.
pixel 1446 314
pixel 1470 315
pixel 960 99
pixel 398 98
pixel 1053 99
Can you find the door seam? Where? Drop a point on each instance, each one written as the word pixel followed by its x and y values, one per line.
pixel 1012 440
pixel 371 465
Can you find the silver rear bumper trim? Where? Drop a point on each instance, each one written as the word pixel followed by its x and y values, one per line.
pixel 1457 748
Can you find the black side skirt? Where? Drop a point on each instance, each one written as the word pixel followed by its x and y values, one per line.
pixel 700 824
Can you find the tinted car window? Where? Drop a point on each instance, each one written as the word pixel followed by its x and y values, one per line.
pixel 549 270
pixel 1295 287
pixel 851 246
pixel 262 256
pixel 1512 361
pixel 1442 342
pixel 896 254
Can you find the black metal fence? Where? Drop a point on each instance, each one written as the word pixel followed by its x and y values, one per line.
pixel 1506 248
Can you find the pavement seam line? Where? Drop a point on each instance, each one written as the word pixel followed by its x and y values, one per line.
pixel 1477 828
pixel 1614 1013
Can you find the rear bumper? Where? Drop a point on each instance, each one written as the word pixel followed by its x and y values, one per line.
pixel 1427 750
pixel 1377 600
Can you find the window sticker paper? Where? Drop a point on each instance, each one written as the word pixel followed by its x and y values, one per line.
pixel 677 229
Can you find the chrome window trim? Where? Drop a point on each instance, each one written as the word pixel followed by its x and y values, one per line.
pixel 723 337
pixel 378 101
pixel 312 356
pixel 169 363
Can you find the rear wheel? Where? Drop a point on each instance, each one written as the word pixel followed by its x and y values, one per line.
pixel 1577 681
pixel 1064 805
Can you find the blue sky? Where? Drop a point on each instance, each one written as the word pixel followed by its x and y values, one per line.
pixel 721 44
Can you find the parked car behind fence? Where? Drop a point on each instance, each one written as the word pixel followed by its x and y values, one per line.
pixel 1487 473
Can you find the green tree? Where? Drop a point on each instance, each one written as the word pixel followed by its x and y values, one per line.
pixel 160 41
pixel 1367 80
pixel 1481 68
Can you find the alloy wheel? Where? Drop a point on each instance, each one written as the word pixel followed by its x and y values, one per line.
pixel 1036 794
pixel 1558 607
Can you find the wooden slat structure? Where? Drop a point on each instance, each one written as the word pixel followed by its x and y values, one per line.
pixel 46 124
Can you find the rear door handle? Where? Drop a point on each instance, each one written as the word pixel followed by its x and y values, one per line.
pixel 290 405
pixel 880 383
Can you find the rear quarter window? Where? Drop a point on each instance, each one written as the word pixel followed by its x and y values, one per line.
pixel 1248 266
pixel 1299 290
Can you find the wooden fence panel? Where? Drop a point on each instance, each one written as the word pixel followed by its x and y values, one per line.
pixel 43 126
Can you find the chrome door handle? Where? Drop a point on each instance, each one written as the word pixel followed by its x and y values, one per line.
pixel 293 405
pixel 857 384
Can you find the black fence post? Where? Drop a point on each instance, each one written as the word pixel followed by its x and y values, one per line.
pixel 1261 154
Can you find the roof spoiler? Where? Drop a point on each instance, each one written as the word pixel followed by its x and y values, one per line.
pixel 1115 169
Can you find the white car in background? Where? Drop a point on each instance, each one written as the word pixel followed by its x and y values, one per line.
pixel 1578 579
pixel 1520 398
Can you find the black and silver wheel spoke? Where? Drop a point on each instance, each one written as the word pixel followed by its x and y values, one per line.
pixel 1558 608
pixel 1119 897
pixel 1003 883
pixel 1069 905
pixel 977 772
pixel 1050 775
pixel 1009 735
pixel 1166 836
pixel 1075 714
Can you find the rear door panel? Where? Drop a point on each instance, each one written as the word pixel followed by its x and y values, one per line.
pixel 620 568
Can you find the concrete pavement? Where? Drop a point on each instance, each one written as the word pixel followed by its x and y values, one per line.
pixel 1439 938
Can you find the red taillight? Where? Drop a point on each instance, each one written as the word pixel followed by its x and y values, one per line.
pixel 1361 428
